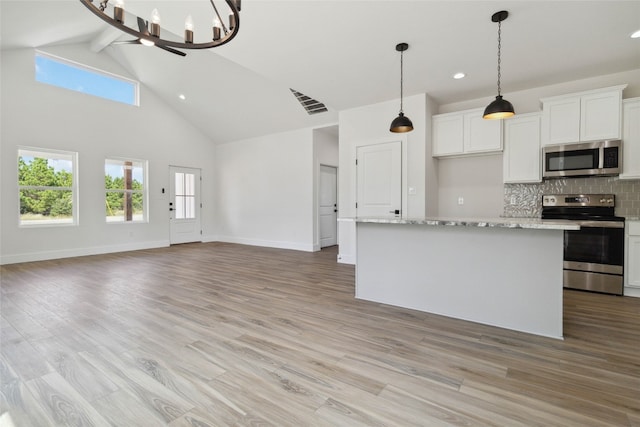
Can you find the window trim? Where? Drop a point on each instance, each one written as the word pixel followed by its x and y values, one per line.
pixel 48 152
pixel 145 189
pixel 75 64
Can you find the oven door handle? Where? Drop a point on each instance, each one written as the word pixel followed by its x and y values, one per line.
pixel 600 224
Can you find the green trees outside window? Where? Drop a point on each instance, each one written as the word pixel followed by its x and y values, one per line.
pixel 124 186
pixel 46 187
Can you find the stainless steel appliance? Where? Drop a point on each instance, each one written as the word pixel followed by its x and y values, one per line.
pixel 593 255
pixel 590 158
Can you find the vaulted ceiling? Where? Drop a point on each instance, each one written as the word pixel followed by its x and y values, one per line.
pixel 342 52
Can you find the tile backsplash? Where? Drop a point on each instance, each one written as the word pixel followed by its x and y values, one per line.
pixel 525 200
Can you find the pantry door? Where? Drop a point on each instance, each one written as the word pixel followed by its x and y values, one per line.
pixel 379 180
pixel 184 205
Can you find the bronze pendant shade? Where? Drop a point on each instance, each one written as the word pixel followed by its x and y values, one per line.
pixel 500 108
pixel 401 124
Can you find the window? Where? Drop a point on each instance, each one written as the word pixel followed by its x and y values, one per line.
pixel 125 190
pixel 70 75
pixel 185 187
pixel 47 187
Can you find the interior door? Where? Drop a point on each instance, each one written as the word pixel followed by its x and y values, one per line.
pixel 379 180
pixel 328 205
pixel 184 205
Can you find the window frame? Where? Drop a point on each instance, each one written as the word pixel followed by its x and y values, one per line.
pixel 49 153
pixel 144 191
pixel 89 69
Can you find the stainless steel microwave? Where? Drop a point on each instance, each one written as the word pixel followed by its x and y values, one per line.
pixel 589 158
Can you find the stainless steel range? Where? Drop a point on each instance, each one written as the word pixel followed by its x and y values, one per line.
pixel 593 255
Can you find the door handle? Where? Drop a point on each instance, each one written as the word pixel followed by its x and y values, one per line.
pixel 170 209
pixel 397 212
pixel 335 210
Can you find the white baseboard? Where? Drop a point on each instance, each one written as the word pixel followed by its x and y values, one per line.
pixel 268 243
pixel 346 259
pixel 631 292
pixel 210 238
pixel 69 253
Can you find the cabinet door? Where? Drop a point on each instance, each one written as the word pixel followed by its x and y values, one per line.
pixel 633 259
pixel 521 157
pixel 561 121
pixel 447 134
pixel 631 139
pixel 600 116
pixel 480 135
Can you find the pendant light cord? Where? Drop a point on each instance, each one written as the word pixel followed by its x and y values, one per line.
pixel 401 79
pixel 499 48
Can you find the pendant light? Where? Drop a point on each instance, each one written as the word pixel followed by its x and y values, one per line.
pixel 401 123
pixel 500 108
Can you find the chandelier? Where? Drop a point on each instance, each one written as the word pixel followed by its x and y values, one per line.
pixel 150 33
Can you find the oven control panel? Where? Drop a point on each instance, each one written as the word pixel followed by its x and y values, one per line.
pixel 577 200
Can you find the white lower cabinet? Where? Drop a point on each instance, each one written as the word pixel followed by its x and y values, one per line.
pixel 521 156
pixel 632 263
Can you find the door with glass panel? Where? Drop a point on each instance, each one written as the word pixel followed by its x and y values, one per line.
pixel 184 205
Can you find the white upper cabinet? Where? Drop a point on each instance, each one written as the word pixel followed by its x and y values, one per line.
pixel 465 132
pixel 585 116
pixel 521 157
pixel 448 134
pixel 631 139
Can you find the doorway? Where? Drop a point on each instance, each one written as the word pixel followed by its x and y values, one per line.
pixel 328 205
pixel 184 205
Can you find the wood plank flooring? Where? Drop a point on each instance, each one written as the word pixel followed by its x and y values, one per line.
pixel 228 335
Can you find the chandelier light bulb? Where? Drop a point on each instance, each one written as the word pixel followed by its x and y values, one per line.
pixel 188 23
pixel 154 29
pixel 155 17
pixel 217 28
pixel 188 29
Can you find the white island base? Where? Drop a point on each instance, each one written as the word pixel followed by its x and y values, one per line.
pixel 495 275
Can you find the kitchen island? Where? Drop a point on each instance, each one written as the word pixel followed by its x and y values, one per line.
pixel 503 272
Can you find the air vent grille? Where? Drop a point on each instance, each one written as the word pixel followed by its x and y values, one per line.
pixel 309 104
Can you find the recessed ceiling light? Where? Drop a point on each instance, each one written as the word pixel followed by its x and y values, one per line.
pixel 636 35
pixel 182 97
pixel 459 76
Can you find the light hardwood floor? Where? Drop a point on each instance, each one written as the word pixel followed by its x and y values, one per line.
pixel 228 335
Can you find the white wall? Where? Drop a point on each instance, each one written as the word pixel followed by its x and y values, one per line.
pixel 265 191
pixel 370 125
pixel 43 116
pixel 479 179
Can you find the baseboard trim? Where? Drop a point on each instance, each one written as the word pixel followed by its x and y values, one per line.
pixel 346 259
pixel 77 252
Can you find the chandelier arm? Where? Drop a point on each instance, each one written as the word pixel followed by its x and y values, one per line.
pixel 163 42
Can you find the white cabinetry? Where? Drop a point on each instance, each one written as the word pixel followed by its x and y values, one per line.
pixel 631 139
pixel 465 132
pixel 521 157
pixel 585 116
pixel 632 263
pixel 448 134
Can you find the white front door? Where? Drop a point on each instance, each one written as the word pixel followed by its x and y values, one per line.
pixel 379 180
pixel 328 205
pixel 184 205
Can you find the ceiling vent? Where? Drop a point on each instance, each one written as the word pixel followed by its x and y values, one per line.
pixel 311 105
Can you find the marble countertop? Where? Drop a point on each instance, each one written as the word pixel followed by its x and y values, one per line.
pixel 530 223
